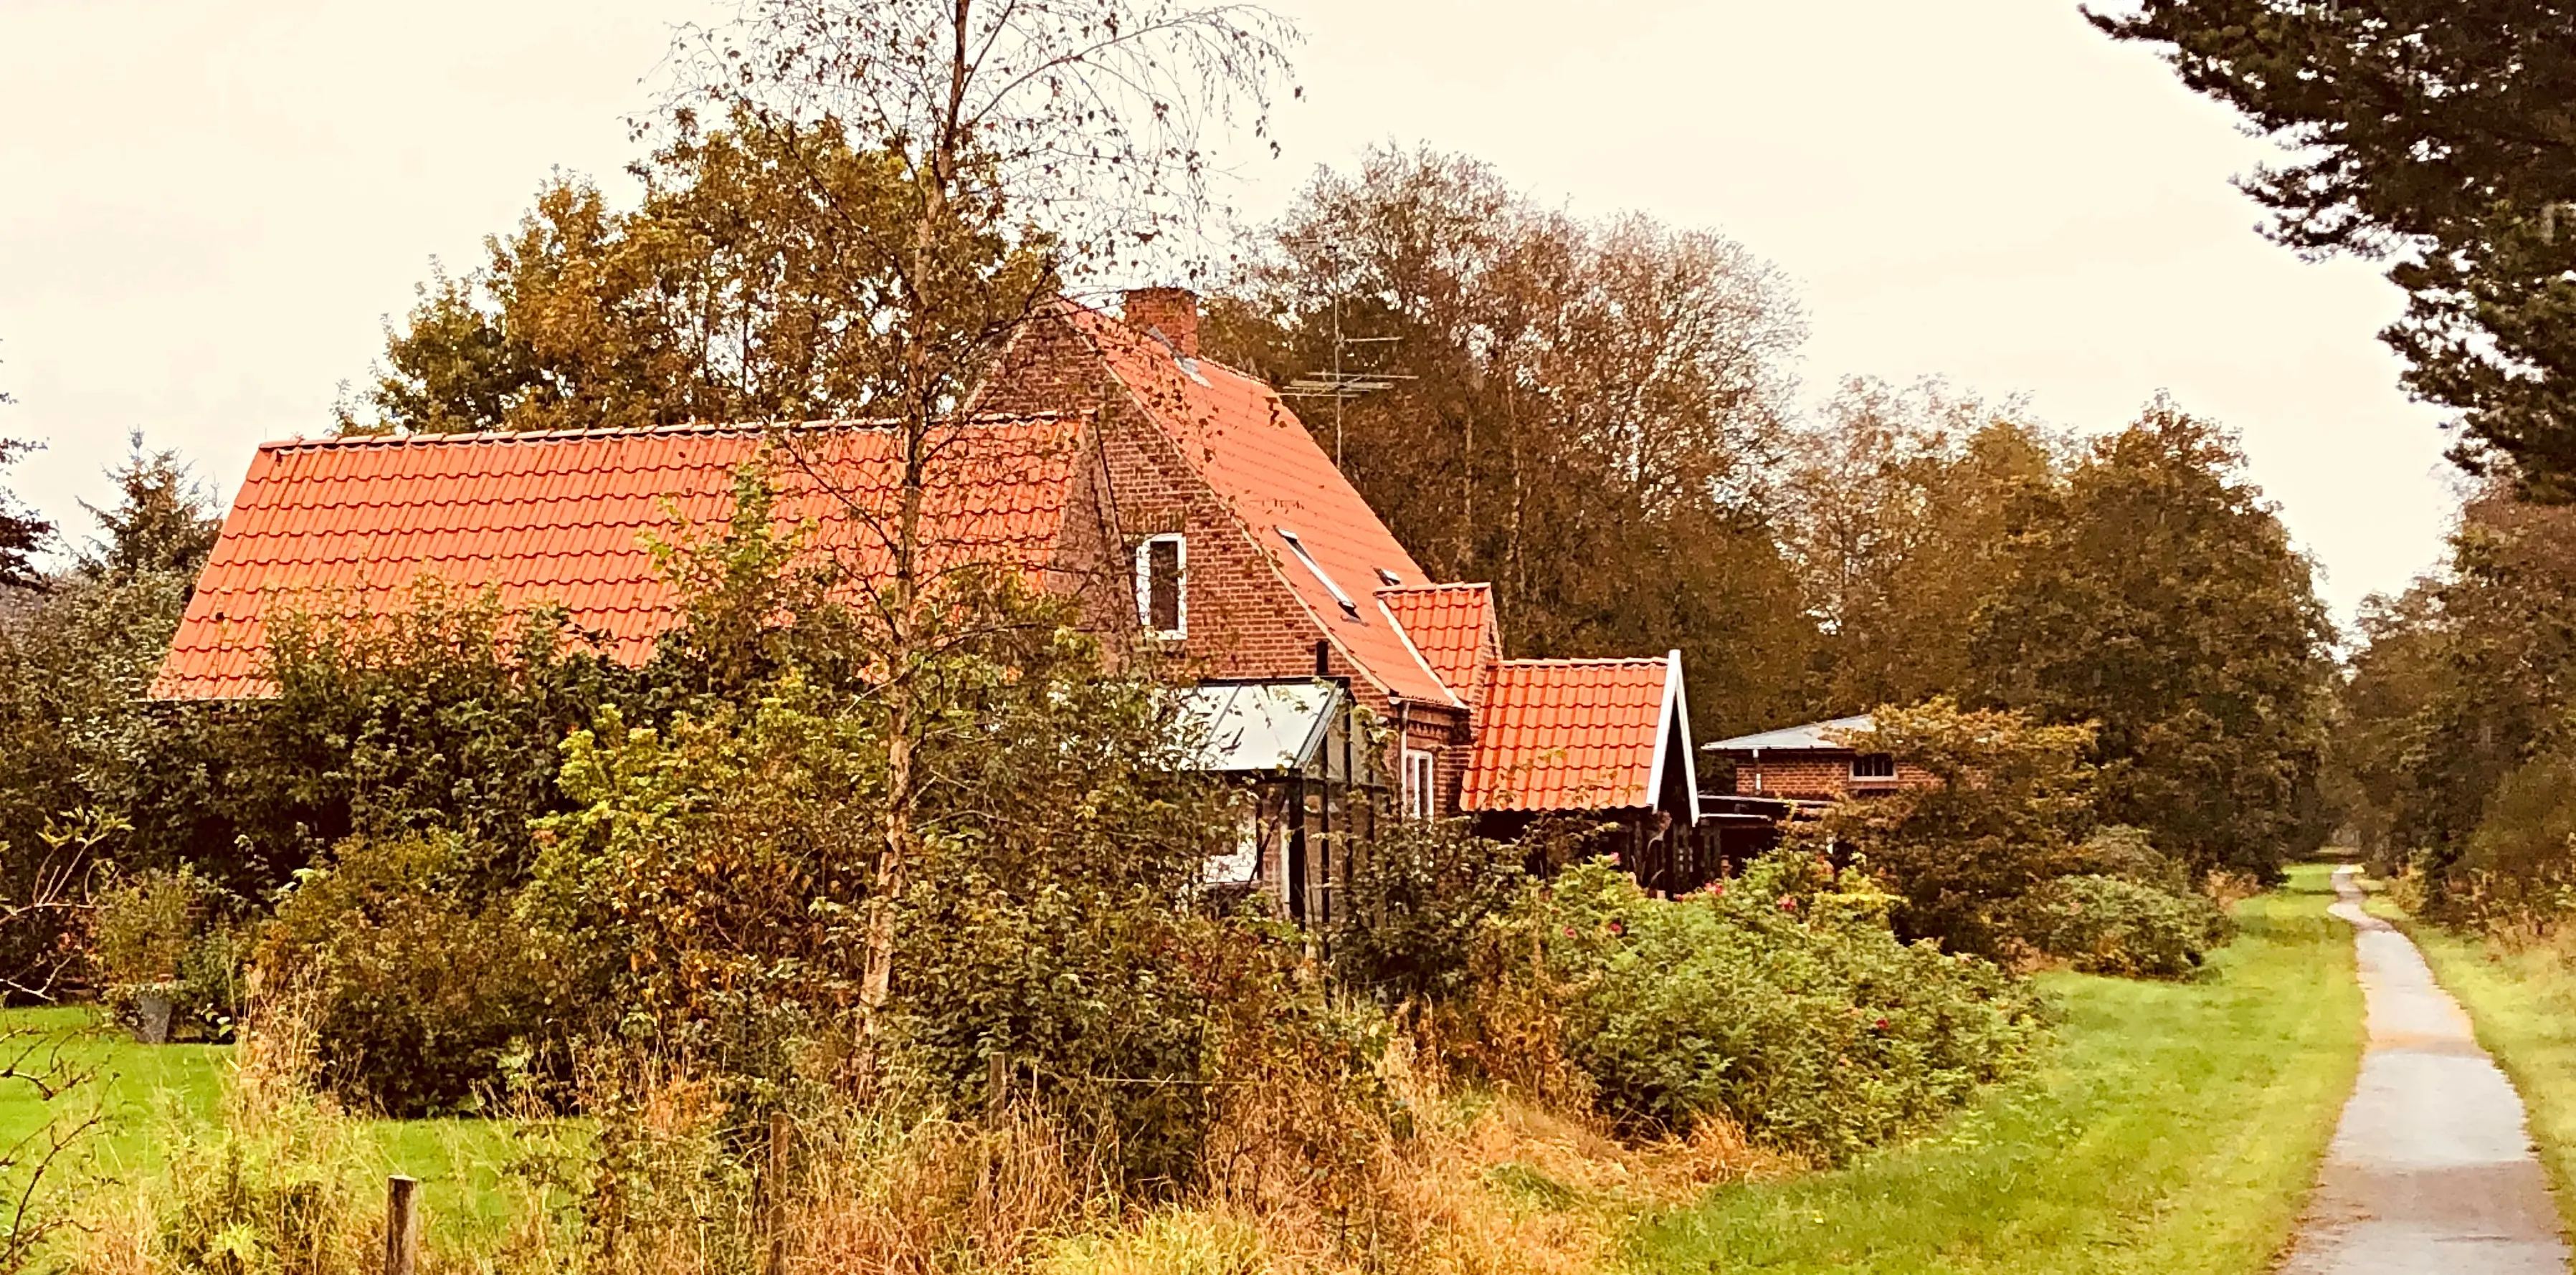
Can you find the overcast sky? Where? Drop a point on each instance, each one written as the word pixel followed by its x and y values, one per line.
pixel 208 207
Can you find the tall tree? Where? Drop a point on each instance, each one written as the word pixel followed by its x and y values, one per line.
pixel 22 533
pixel 739 289
pixel 2463 679
pixel 74 665
pixel 2385 786
pixel 1893 509
pixel 1583 413
pixel 2434 134
pixel 2157 594
pixel 1089 117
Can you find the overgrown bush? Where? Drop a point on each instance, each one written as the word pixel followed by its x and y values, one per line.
pixel 2111 925
pixel 423 993
pixel 167 946
pixel 1780 1000
pixel 2008 807
pixel 1417 893
pixel 2130 854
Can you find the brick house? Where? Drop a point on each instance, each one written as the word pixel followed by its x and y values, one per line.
pixel 1179 504
pixel 1813 762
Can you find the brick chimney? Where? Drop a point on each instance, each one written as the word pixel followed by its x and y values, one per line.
pixel 1173 312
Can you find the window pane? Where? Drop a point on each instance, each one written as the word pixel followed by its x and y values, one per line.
pixel 1163 585
pixel 1874 766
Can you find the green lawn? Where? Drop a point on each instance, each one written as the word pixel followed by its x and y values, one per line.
pixel 2524 1006
pixel 150 1096
pixel 2176 1129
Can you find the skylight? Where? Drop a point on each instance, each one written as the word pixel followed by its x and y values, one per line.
pixel 1390 578
pixel 1298 547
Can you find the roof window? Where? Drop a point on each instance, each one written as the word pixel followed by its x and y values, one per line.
pixel 1389 578
pixel 1298 547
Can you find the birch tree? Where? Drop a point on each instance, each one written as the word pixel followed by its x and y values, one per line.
pixel 1030 141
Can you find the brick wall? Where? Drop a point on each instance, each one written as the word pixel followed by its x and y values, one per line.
pixel 1814 776
pixel 1242 619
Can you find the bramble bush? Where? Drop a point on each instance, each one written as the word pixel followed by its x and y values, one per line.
pixel 1780 999
pixel 421 992
pixel 1417 893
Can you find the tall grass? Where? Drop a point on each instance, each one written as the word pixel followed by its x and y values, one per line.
pixel 663 1177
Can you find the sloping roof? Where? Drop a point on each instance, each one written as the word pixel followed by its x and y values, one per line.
pixel 1261 727
pixel 1809 737
pixel 1259 459
pixel 1452 625
pixel 350 524
pixel 1577 735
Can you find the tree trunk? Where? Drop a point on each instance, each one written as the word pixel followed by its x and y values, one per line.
pixel 905 620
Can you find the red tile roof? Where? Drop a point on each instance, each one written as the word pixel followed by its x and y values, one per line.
pixel 1257 456
pixel 563 518
pixel 1573 735
pixel 1452 625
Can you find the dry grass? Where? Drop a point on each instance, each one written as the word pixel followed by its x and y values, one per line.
pixel 1484 1182
pixel 270 1189
pixel 1307 1173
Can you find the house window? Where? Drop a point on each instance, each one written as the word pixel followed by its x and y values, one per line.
pixel 1298 547
pixel 1874 766
pixel 1421 786
pixel 1162 592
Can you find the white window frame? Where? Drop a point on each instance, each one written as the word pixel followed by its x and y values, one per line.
pixel 1421 784
pixel 1181 583
pixel 1858 777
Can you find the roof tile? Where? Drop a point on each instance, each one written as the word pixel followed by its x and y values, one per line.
pixel 1568 735
pixel 563 518
pixel 1259 459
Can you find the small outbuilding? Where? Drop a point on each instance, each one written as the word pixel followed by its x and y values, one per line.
pixel 1811 762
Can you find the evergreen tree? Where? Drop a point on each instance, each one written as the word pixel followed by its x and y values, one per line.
pixel 2435 134
pixel 22 533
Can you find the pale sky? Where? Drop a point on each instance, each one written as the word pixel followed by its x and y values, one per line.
pixel 209 207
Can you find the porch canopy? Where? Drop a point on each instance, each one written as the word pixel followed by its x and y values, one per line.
pixel 1289 727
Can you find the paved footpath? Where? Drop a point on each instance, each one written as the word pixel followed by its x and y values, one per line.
pixel 2431 1169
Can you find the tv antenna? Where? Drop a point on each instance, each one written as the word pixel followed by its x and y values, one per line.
pixel 1339 385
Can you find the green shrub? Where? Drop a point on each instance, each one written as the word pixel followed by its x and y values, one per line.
pixel 2108 925
pixel 2007 804
pixel 1416 895
pixel 1780 999
pixel 1127 1018
pixel 2131 855
pixel 422 994
pixel 170 936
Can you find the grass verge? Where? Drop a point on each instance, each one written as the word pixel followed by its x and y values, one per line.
pixel 2522 1000
pixel 149 1097
pixel 2176 1130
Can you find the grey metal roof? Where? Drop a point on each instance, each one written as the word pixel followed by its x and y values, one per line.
pixel 1809 737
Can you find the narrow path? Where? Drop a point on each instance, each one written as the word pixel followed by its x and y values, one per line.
pixel 2431 1169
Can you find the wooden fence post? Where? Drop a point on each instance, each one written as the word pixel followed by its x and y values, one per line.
pixel 402 1225
pixel 782 1135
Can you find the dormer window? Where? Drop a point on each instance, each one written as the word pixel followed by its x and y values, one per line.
pixel 1162 586
pixel 1298 547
